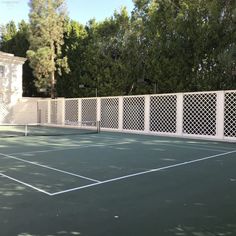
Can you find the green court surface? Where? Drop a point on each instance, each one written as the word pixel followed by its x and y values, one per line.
pixel 113 184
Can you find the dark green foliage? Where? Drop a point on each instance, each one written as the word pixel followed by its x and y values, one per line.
pixel 15 40
pixel 47 19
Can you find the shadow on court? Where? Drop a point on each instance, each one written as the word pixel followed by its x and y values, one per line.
pixel 136 185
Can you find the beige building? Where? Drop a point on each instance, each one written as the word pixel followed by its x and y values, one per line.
pixel 10 77
pixel 10 84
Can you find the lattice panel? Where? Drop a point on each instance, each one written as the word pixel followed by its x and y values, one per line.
pixel 133 113
pixel 89 110
pixel 71 111
pixel 199 114
pixel 230 115
pixel 56 112
pixel 42 111
pixel 53 111
pixel 4 113
pixel 110 113
pixel 163 113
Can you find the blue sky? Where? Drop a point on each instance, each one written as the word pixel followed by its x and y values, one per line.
pixel 79 10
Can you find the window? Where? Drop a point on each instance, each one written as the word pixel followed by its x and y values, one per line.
pixel 2 72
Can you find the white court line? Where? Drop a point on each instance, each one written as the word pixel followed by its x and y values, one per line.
pixel 198 145
pixel 25 184
pixel 119 143
pixel 46 150
pixel 185 142
pixel 72 148
pixel 144 172
pixel 114 144
pixel 50 168
pixel 187 146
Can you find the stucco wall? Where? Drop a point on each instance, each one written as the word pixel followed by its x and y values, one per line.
pixel 11 82
pixel 25 111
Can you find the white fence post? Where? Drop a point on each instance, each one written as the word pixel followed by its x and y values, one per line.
pixel 220 115
pixel 120 121
pixel 79 110
pixel 63 111
pixel 179 118
pixel 49 111
pixel 98 109
pixel 147 114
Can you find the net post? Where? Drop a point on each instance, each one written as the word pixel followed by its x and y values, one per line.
pixel 26 130
pixel 98 126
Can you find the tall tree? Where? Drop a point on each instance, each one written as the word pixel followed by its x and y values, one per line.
pixel 8 32
pixel 47 18
pixel 105 62
pixel 15 40
pixel 73 48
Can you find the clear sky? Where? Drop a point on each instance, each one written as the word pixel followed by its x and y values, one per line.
pixel 79 10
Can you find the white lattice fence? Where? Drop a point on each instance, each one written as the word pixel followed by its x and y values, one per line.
pixel 207 115
pixel 110 113
pixel 199 114
pixel 71 111
pixel 230 114
pixel 5 113
pixel 43 112
pixel 134 113
pixel 57 111
pixel 53 111
pixel 89 109
pixel 163 113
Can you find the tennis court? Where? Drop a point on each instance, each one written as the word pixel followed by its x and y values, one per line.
pixel 110 184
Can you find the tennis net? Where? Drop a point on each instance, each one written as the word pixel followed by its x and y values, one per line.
pixel 84 127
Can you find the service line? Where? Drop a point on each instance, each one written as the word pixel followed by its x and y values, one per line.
pixel 144 172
